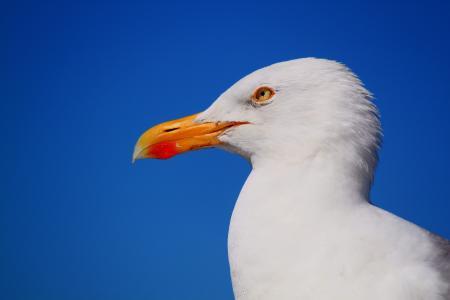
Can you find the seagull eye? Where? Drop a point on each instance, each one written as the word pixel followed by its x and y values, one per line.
pixel 262 95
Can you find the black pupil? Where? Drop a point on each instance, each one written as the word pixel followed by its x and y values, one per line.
pixel 262 93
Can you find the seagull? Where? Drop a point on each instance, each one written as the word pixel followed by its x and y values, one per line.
pixel 303 226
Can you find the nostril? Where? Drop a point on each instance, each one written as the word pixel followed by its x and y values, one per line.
pixel 171 129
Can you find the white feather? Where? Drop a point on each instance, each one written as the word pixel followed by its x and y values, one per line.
pixel 303 227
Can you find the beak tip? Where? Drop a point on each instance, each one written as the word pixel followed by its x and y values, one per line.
pixel 136 154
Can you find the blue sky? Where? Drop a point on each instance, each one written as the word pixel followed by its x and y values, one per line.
pixel 81 80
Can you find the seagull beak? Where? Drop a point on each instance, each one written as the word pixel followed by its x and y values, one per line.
pixel 178 136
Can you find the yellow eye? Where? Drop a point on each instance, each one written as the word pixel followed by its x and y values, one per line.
pixel 262 94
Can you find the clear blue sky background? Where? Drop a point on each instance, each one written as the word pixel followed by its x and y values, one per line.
pixel 81 80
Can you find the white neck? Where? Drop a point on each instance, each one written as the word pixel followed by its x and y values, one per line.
pixel 279 200
pixel 298 228
pixel 319 178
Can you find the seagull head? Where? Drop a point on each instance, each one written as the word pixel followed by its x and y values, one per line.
pixel 291 110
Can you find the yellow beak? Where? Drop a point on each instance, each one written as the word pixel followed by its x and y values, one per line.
pixel 174 137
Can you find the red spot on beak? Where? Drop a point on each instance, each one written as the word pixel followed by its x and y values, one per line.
pixel 163 150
